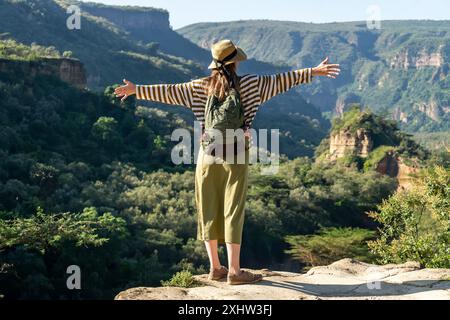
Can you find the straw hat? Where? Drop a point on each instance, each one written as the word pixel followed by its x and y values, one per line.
pixel 225 52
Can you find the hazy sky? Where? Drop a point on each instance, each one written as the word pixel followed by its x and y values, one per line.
pixel 184 12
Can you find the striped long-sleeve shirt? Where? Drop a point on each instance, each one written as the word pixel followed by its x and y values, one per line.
pixel 254 90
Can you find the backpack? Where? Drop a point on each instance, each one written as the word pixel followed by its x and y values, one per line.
pixel 223 115
pixel 228 114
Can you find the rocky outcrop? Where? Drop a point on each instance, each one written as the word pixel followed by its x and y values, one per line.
pixel 405 60
pixel 405 175
pixel 425 59
pixel 344 279
pixel 131 18
pixel 395 166
pixel 345 142
pixel 388 165
pixel 149 26
pixel 399 115
pixel 68 70
pixel 431 109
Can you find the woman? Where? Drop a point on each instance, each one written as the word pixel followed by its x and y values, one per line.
pixel 221 189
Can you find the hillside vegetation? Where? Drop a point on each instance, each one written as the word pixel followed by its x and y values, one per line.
pixel 401 69
pixel 85 181
pixel 107 52
pixel 88 181
pixel 137 43
pixel 82 182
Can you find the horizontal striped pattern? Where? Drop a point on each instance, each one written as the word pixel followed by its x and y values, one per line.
pixel 255 90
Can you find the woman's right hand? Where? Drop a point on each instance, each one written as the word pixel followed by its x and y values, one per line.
pixel 326 69
pixel 125 91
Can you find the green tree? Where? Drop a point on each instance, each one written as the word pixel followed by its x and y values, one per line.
pixel 415 224
pixel 331 244
pixel 43 231
pixel 67 54
pixel 106 132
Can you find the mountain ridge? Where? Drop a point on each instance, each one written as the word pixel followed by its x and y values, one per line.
pixel 401 69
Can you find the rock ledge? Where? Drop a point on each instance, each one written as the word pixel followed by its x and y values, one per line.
pixel 344 279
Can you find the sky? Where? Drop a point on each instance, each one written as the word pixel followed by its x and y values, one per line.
pixel 185 12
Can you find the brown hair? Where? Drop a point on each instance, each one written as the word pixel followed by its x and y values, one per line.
pixel 219 84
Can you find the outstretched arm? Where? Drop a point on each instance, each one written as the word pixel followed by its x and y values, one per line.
pixel 272 85
pixel 186 94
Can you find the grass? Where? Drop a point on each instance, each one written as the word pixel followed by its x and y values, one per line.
pixel 183 279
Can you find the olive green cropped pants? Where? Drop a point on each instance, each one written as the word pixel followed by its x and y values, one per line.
pixel 220 194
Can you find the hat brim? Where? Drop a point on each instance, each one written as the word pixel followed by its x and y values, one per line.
pixel 240 56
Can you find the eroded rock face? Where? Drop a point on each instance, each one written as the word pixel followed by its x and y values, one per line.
pixel 345 142
pixel 405 175
pixel 405 60
pixel 388 165
pixel 344 279
pixel 431 109
pixel 399 115
pixel 132 18
pixel 395 167
pixel 70 71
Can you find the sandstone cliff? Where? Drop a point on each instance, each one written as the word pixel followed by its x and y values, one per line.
pixel 345 142
pixel 394 166
pixel 344 279
pixel 360 143
pixel 131 18
pixel 68 70
pixel 149 25
pixel 432 109
pixel 405 60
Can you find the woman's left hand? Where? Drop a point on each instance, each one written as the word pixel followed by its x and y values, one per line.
pixel 326 70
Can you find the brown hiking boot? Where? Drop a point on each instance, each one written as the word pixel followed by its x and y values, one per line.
pixel 244 277
pixel 217 274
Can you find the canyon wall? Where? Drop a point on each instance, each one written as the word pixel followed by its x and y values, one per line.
pixel 395 167
pixel 68 70
pixel 345 142
pixel 405 60
pixel 131 18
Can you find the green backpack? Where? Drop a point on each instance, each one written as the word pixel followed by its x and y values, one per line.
pixel 228 114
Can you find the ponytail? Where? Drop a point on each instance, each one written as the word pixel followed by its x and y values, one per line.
pixel 222 80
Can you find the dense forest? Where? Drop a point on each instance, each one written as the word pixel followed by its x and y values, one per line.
pixel 88 181
pixel 65 150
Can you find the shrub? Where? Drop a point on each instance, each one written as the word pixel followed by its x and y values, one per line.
pixel 331 244
pixel 415 224
pixel 183 279
pixel 376 156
